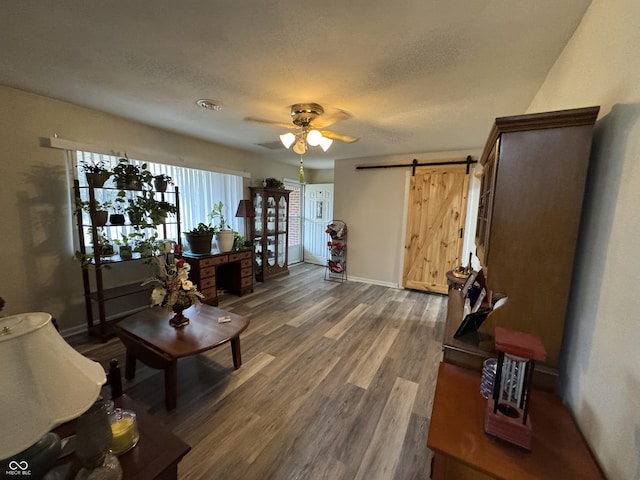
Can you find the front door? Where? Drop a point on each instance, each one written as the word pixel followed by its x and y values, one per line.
pixel 435 221
pixel 318 213
pixel 295 221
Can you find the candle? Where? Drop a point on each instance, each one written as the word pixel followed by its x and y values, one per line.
pixel 124 431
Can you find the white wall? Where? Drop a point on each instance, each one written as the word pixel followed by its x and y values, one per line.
pixel 36 238
pixel 373 204
pixel 600 372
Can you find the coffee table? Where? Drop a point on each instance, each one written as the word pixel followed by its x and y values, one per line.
pixel 148 337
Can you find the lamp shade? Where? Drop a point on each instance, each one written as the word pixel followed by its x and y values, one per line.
pixel 314 137
pixel 325 143
pixel 287 139
pixel 44 381
pixel 245 209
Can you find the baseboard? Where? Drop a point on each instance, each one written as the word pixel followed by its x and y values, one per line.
pixel 373 282
pixel 78 329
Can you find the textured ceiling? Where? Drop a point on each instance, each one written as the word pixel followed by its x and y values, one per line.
pixel 415 75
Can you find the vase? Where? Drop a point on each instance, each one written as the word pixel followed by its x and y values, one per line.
pixel 160 184
pixel 200 242
pixel 99 218
pixel 225 239
pixel 179 320
pixel 126 253
pixel 116 219
pixel 97 180
pixel 93 436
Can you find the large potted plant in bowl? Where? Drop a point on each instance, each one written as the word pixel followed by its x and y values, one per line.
pixel 129 176
pixel 224 234
pixel 96 173
pixel 200 238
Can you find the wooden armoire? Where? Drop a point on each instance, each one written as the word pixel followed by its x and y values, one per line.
pixel 534 170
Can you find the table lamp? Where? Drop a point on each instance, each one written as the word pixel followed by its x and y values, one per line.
pixel 44 383
pixel 507 412
pixel 246 211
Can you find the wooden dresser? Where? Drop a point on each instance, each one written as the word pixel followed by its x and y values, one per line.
pixel 230 271
pixel 534 170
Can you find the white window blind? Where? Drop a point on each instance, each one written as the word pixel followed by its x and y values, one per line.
pixel 198 190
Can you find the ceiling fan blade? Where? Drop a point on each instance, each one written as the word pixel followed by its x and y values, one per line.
pixel 270 122
pixel 338 136
pixel 323 121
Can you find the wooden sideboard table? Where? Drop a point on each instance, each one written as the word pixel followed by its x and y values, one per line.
pixel 158 452
pixel 462 451
pixel 231 271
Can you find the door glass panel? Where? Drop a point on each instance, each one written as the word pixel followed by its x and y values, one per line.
pixel 282 249
pixel 271 214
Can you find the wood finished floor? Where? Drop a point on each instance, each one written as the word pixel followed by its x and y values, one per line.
pixel 337 382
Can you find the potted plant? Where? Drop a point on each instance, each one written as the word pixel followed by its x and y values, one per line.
pixel 137 210
pixel 159 210
pixel 117 218
pixel 238 241
pixel 200 239
pixel 99 214
pixel 104 248
pixel 224 234
pixel 160 182
pixel 131 177
pixel 125 249
pixel 145 246
pixel 273 183
pixel 96 173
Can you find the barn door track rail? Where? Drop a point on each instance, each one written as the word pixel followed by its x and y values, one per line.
pixel 467 161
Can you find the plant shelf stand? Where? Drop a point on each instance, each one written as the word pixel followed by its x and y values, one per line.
pixel 95 292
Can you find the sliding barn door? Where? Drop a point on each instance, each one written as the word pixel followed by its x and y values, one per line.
pixel 435 222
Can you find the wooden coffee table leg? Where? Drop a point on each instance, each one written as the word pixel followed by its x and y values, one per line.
pixel 171 385
pixel 130 365
pixel 235 351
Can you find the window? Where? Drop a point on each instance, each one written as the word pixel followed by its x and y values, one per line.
pixel 198 189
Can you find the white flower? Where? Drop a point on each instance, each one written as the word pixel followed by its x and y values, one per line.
pixel 187 284
pixel 157 295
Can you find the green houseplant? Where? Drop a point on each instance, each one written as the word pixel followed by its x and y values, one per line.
pixel 159 210
pixel 129 176
pixel 200 238
pixel 104 248
pixel 125 250
pixel 119 205
pixel 96 173
pixel 99 214
pixel 223 232
pixel 146 246
pixel 160 182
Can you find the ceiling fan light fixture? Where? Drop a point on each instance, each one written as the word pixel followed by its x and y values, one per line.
pixel 325 143
pixel 287 139
pixel 314 137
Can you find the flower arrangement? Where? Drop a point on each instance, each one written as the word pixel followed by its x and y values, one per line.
pixel 172 284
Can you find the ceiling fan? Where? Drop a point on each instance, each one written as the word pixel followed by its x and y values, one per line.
pixel 309 124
